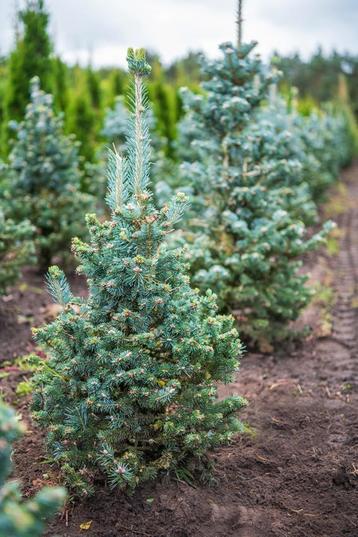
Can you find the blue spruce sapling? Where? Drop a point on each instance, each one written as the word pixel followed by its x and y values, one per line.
pixel 246 243
pixel 43 178
pixel 129 388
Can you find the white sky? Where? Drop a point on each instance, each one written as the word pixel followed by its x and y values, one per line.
pixel 103 29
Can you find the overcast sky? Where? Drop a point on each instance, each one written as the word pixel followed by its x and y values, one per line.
pixel 103 29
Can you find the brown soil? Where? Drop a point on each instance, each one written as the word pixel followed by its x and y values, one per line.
pixel 296 475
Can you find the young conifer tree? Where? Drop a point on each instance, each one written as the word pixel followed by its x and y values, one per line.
pixel 233 89
pixel 19 518
pixel 246 245
pixel 43 178
pixel 129 388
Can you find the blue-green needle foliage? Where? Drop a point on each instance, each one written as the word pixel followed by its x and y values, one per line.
pixel 43 178
pixel 250 233
pixel 115 130
pixel 20 518
pixel 233 88
pixel 129 389
pixel 329 145
pixel 16 249
pixel 274 151
pixel 116 125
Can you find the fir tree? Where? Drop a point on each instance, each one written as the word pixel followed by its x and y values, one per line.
pixel 129 389
pixel 239 81
pixel 246 245
pixel 44 179
pixel 16 249
pixel 19 518
pixel 31 57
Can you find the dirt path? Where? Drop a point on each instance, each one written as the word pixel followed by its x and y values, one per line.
pixel 295 475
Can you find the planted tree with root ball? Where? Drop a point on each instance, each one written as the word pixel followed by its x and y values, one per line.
pixel 19 517
pixel 43 179
pixel 129 388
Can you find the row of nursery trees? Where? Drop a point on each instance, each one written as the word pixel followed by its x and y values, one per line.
pixel 84 94
pixel 185 256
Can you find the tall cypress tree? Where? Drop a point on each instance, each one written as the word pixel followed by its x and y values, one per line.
pixel 163 98
pixel 117 85
pixel 129 389
pixel 31 57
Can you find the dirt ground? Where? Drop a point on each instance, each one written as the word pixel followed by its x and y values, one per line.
pixel 294 475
